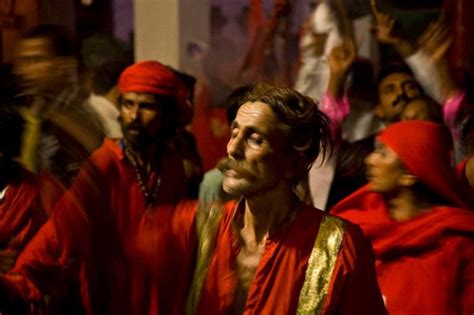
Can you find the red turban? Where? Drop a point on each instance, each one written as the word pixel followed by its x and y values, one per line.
pixel 155 78
pixel 425 149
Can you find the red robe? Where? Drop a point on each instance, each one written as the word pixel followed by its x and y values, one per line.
pixel 21 213
pixel 464 182
pixel 127 257
pixel 280 274
pixel 424 265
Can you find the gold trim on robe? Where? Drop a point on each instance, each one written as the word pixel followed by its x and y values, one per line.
pixel 321 266
pixel 207 224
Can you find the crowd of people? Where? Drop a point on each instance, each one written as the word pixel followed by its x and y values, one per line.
pixel 318 207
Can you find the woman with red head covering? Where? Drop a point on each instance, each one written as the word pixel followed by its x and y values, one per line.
pixel 421 232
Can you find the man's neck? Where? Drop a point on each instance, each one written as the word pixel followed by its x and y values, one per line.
pixel 265 213
pixel 405 205
pixel 147 157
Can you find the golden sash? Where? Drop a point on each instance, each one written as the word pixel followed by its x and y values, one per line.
pixel 321 266
pixel 207 224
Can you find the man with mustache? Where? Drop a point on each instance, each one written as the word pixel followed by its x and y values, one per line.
pixel 118 218
pixel 270 253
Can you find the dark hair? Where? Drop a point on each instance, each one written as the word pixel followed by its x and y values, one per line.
pixel 309 128
pixel 59 38
pixel 11 130
pixel 235 99
pixel 392 68
pixel 106 76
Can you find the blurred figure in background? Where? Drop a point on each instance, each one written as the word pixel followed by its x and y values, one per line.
pixel 22 211
pixel 103 60
pixel 59 132
pixel 413 212
pixel 116 231
pixel 320 35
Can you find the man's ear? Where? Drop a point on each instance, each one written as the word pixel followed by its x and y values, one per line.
pixel 408 180
pixel 379 112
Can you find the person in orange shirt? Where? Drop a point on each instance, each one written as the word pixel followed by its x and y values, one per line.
pixel 270 253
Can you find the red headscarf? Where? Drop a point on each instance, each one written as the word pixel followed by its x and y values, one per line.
pixel 155 78
pixel 425 149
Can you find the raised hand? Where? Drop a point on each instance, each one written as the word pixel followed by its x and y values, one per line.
pixel 342 57
pixel 340 60
pixel 435 40
pixel 387 31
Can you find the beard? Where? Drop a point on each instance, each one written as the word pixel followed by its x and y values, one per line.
pixel 138 138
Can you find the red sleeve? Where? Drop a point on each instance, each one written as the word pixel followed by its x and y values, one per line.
pixel 359 291
pixel 34 218
pixel 466 284
pixel 40 267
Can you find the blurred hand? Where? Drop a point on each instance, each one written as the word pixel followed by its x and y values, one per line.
pixel 342 57
pixel 385 28
pixel 7 260
pixel 435 41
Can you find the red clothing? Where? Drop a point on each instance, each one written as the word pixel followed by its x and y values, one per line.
pixel 424 265
pixel 210 127
pixel 21 213
pixel 107 238
pixel 463 181
pixel 281 271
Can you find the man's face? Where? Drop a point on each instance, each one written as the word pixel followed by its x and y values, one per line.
pixel 384 169
pixel 394 92
pixel 256 151
pixel 37 68
pixel 141 117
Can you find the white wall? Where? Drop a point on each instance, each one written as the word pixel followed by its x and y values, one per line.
pixel 164 27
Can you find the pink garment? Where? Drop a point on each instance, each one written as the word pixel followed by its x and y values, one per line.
pixel 336 109
pixel 451 109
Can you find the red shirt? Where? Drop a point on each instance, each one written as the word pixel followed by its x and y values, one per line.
pixel 21 213
pixel 424 265
pixel 281 271
pixel 129 258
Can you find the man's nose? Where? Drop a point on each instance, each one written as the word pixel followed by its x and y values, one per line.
pixel 235 147
pixel 134 113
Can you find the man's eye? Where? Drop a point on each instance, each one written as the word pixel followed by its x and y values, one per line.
pixel 234 133
pixel 127 104
pixel 257 140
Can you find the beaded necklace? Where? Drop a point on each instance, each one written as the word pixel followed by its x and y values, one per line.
pixel 150 196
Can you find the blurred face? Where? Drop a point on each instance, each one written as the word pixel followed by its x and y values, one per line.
pixel 416 110
pixel 256 154
pixel 37 68
pixel 394 92
pixel 384 169
pixel 141 117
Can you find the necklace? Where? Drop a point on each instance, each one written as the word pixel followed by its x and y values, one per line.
pixel 150 196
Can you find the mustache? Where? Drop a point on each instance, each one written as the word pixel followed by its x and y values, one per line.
pixel 401 98
pixel 135 126
pixel 240 167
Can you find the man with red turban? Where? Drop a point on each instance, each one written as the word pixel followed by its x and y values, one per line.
pixel 115 232
pixel 421 232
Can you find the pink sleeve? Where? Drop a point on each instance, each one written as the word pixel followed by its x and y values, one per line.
pixel 451 109
pixel 336 110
